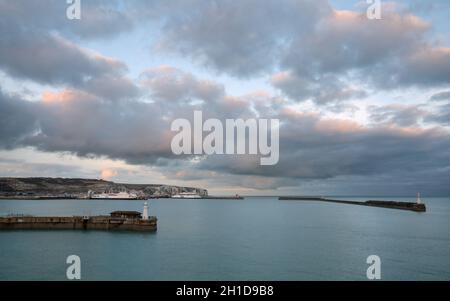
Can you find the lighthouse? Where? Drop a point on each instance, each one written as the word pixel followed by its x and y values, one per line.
pixel 418 198
pixel 145 213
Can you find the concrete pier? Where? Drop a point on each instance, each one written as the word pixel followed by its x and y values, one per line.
pixel 417 207
pixel 78 223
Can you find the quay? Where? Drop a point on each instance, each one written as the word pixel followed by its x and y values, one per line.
pixel 117 220
pixel 211 197
pixel 417 206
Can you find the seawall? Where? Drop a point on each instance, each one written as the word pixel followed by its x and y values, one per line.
pixel 77 223
pixel 372 203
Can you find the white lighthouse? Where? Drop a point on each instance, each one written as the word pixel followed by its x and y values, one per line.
pixel 145 213
pixel 418 198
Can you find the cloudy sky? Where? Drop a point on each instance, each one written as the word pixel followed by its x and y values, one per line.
pixel 364 105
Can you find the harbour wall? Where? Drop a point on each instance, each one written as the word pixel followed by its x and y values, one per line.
pixel 77 223
pixel 372 203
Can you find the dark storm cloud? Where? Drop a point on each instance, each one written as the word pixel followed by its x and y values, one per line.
pixel 323 49
pixel 138 132
pixel 112 87
pixel 315 52
pixel 242 38
pixel 21 168
pixel 51 59
pixel 387 54
pixel 441 114
pixel 311 147
pixel 427 67
pixel 99 18
pixel 323 91
pixel 390 53
pixel 347 40
pixel 315 148
pixel 441 96
pixel 173 85
pixel 34 45
pixel 88 125
pixel 401 115
pixel 17 120
pixel 336 155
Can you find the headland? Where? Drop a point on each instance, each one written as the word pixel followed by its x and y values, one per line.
pixel 75 188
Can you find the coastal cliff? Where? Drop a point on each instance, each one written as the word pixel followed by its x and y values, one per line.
pixel 26 188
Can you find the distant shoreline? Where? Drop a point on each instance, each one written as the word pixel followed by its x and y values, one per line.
pixel 106 199
pixel 77 188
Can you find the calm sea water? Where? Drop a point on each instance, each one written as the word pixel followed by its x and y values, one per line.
pixel 259 238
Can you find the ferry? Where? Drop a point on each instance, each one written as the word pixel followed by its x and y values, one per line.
pixel 123 195
pixel 186 195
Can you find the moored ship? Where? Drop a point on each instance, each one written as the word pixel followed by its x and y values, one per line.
pixel 122 195
pixel 186 195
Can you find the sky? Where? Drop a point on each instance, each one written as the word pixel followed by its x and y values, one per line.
pixel 363 104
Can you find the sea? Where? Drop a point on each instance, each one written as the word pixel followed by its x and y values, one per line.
pixel 257 238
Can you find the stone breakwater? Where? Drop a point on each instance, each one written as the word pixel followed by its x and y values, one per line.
pixel 372 203
pixel 77 223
